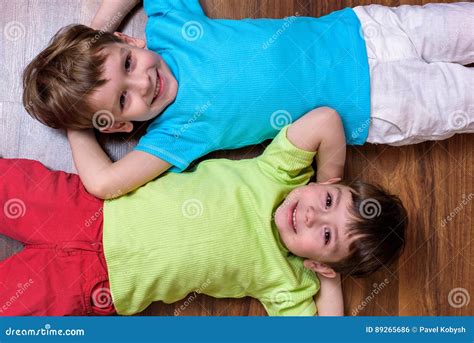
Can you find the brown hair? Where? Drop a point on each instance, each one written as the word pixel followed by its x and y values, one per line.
pixel 57 82
pixel 379 224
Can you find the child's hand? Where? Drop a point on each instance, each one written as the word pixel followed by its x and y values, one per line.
pixel 321 130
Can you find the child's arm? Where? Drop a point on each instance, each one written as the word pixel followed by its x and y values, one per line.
pixel 329 300
pixel 321 130
pixel 111 13
pixel 106 179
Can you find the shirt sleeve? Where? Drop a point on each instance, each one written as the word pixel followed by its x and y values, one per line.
pixel 285 163
pixel 172 146
pixel 293 295
pixel 161 7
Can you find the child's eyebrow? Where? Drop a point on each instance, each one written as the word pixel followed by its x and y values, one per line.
pixel 116 101
pixel 336 239
pixel 122 52
pixel 338 196
pixel 336 228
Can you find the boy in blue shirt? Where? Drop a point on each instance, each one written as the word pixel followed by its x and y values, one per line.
pixel 221 84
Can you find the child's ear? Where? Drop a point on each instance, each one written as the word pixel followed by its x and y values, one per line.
pixel 320 268
pixel 139 43
pixel 121 126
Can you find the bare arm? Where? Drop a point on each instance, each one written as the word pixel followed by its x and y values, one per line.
pixel 329 300
pixel 106 179
pixel 321 130
pixel 111 13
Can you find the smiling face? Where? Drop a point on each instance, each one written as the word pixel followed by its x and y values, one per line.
pixel 140 84
pixel 313 222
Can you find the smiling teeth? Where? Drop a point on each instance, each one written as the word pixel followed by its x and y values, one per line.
pixel 294 219
pixel 157 86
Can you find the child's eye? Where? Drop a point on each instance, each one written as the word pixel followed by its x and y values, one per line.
pixel 122 100
pixel 128 62
pixel 327 236
pixel 328 201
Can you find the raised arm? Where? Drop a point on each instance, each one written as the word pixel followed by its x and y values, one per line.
pixel 106 179
pixel 111 13
pixel 329 299
pixel 321 130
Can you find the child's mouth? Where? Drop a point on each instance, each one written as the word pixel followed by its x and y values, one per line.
pixel 158 86
pixel 292 217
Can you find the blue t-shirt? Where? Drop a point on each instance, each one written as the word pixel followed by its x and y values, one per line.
pixel 241 81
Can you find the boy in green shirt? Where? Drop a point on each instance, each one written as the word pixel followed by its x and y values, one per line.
pixel 237 228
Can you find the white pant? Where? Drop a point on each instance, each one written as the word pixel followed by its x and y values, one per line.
pixel 420 89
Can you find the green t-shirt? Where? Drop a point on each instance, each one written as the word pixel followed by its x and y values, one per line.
pixel 210 231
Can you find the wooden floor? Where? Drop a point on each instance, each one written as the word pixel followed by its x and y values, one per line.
pixel 435 274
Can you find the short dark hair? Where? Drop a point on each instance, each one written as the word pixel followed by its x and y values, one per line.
pixel 58 82
pixel 379 224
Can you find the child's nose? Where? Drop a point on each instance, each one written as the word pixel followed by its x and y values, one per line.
pixel 143 84
pixel 310 216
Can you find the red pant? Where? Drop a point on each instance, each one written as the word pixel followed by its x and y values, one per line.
pixel 62 269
